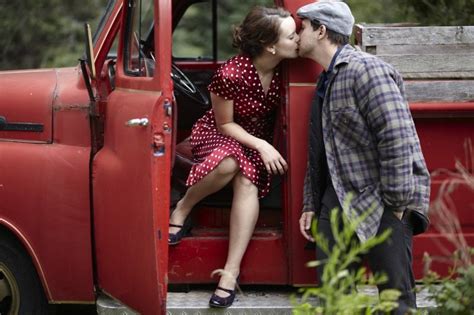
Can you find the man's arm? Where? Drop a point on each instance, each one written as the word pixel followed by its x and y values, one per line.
pixel 308 207
pixel 389 119
pixel 308 204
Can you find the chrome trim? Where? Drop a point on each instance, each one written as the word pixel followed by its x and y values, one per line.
pixel 107 305
pixel 137 122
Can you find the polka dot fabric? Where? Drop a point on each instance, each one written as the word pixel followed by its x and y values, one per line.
pixel 237 80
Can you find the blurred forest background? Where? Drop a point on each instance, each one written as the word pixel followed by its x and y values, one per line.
pixel 49 33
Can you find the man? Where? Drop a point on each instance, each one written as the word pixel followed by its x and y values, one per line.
pixel 362 140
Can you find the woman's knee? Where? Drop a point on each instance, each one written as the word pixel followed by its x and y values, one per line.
pixel 228 166
pixel 243 182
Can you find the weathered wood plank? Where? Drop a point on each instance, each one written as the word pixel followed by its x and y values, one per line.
pixel 440 91
pixel 462 49
pixel 439 75
pixel 435 66
pixel 434 52
pixel 367 35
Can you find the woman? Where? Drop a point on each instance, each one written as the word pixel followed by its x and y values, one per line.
pixel 231 141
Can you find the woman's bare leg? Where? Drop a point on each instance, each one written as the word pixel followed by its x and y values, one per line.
pixel 243 217
pixel 212 182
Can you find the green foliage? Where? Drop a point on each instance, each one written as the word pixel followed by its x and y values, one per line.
pixel 39 33
pixel 230 14
pixel 453 294
pixel 441 12
pixel 49 33
pixel 186 42
pixel 423 12
pixel 193 36
pixel 381 11
pixel 338 292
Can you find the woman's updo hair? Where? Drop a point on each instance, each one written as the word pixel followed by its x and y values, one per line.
pixel 260 28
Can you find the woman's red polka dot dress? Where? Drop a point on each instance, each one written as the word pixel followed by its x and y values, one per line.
pixel 237 80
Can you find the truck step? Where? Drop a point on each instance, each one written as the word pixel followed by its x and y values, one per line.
pixel 252 302
pixel 256 302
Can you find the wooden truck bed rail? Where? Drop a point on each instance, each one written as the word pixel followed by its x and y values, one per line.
pixel 444 55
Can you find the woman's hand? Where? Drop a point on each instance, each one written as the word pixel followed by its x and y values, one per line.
pixel 274 162
pixel 224 115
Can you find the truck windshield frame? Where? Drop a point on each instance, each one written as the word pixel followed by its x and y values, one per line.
pixel 139 19
pixel 103 20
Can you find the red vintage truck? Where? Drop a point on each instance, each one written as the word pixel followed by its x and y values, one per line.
pixel 85 192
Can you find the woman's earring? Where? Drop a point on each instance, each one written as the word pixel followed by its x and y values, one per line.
pixel 273 51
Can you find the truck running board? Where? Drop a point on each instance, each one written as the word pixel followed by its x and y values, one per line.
pixel 274 302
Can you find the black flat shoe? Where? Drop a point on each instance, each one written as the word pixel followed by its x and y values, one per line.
pixel 222 302
pixel 175 238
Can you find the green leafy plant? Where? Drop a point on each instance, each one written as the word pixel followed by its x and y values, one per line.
pixel 338 293
pixel 453 294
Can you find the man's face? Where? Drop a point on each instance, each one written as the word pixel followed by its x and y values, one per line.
pixel 308 38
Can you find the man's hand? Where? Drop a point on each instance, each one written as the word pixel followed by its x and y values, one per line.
pixel 399 214
pixel 305 225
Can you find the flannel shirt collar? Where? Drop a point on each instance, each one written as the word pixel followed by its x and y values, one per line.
pixel 327 75
pixel 344 56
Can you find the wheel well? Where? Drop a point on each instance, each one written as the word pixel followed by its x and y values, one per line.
pixel 10 236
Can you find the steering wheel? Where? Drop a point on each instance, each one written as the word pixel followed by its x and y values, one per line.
pixel 181 82
pixel 184 85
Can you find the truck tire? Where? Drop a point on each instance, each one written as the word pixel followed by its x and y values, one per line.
pixel 21 291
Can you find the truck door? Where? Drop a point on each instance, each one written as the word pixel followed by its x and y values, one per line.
pixel 131 172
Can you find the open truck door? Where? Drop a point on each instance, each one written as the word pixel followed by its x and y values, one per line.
pixel 131 170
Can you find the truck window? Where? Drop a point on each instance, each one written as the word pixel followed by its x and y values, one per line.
pixel 139 25
pixel 205 30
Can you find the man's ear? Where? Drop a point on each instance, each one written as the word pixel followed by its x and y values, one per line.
pixel 322 31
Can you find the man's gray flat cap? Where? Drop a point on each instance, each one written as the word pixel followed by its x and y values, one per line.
pixel 335 15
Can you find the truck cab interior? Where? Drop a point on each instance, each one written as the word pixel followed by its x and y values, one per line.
pixel 195 59
pixel 201 42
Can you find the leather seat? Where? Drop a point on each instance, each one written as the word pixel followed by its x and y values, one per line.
pixel 182 165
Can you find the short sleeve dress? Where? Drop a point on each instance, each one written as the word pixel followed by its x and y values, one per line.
pixel 237 80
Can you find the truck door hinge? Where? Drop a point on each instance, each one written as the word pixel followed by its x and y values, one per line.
pixel 158 144
pixel 168 107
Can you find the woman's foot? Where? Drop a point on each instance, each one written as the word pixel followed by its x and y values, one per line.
pixel 177 217
pixel 225 293
pixel 179 225
pixel 221 302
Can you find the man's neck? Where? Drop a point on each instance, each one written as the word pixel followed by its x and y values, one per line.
pixel 324 55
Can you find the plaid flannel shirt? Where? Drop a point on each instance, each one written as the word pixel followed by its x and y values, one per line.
pixel 372 148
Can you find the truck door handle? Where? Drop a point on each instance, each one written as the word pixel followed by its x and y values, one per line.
pixel 137 122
